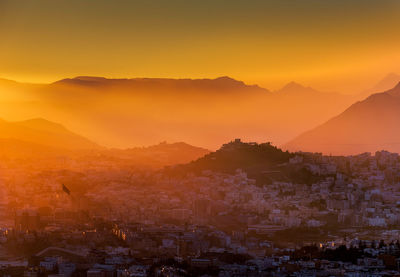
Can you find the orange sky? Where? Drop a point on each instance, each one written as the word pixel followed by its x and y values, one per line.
pixel 332 45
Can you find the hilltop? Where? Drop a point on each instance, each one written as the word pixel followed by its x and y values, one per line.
pixel 264 162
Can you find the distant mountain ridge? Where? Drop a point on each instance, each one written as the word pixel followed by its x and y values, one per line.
pixel 162 154
pixel 293 87
pixel 388 82
pixel 123 113
pixel 220 83
pixel 366 126
pixel 296 88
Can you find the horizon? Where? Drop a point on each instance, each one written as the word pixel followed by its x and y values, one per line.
pixel 367 88
pixel 334 50
pixel 282 129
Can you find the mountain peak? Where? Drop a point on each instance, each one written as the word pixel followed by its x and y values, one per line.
pixel 226 78
pixel 392 76
pixel 82 81
pixel 42 124
pixel 388 82
pixel 397 87
pixel 294 87
pixel 395 91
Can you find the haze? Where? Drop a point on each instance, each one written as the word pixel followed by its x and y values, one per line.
pixel 344 46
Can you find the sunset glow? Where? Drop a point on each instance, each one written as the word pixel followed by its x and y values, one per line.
pixel 331 45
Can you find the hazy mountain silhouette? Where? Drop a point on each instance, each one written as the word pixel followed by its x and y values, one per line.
pixel 43 132
pixel 293 87
pixel 220 84
pixel 301 97
pixel 388 82
pixel 366 126
pixel 206 112
pixel 39 138
pixel 159 155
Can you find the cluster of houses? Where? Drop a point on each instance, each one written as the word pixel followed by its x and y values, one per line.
pixel 125 222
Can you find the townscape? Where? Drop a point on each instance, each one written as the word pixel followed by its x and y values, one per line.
pixel 199 138
pixel 343 219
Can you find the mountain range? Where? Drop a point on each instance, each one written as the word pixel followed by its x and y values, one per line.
pixel 125 113
pixel 366 126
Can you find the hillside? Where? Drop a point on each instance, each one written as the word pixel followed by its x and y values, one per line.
pixel 159 155
pixel 388 82
pixel 366 126
pixel 263 162
pixel 41 138
pixel 45 133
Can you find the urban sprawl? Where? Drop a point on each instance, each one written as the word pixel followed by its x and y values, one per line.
pixel 101 217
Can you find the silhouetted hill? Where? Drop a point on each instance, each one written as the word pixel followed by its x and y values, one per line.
pixel 367 126
pixel 43 132
pixel 388 82
pixel 6 82
pixel 159 155
pixel 43 125
pixel 263 162
pixel 152 157
pixel 237 154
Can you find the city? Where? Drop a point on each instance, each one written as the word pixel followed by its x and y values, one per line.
pixel 136 222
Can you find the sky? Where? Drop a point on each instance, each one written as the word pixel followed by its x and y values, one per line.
pixel 341 45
